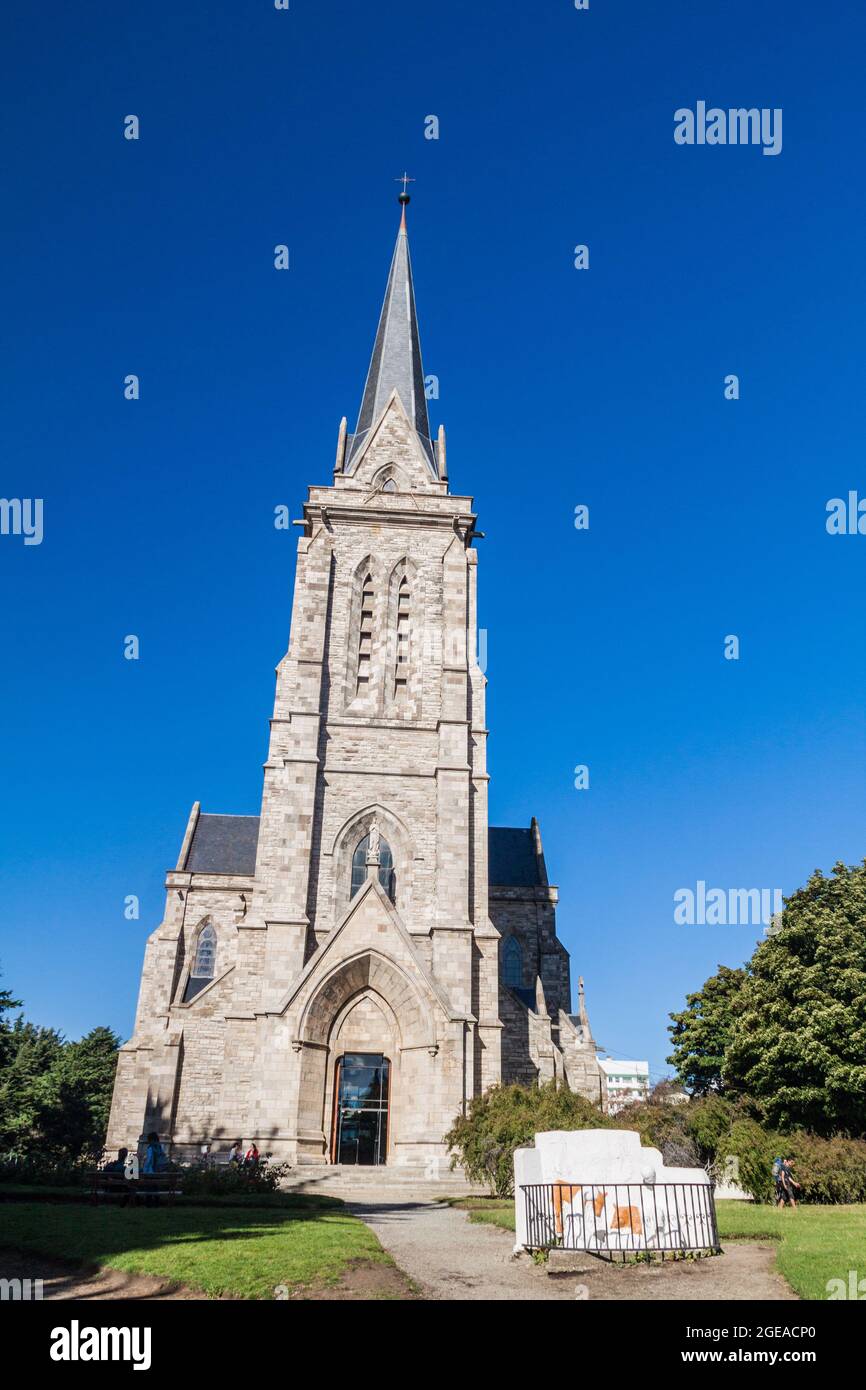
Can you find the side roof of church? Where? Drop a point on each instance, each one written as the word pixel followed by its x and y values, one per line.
pixel 227 845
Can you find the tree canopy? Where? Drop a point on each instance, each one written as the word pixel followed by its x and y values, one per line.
pixel 701 1032
pixel 798 1044
pixel 789 1030
pixel 54 1095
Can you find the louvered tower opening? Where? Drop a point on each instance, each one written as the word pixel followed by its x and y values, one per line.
pixel 401 669
pixel 365 636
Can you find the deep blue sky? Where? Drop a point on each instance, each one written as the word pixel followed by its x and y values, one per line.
pixel 557 387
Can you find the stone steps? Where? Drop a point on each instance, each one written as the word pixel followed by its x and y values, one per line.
pixel 335 1180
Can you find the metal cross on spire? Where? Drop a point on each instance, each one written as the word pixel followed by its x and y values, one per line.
pixel 404 179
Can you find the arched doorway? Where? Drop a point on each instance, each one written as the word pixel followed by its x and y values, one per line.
pixel 366 1006
pixel 362 1094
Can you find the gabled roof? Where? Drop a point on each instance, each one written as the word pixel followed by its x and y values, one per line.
pixel 512 861
pixel 224 845
pixel 396 361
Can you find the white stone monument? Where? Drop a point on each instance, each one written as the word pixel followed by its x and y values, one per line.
pixel 600 1190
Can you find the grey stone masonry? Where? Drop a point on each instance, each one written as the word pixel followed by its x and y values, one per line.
pixel 368 910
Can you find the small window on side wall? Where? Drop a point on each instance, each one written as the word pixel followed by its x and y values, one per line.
pixel 204 962
pixel 512 963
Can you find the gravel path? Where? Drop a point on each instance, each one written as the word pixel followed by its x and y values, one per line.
pixel 450 1258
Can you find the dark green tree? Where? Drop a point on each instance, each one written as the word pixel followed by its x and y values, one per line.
pixel 29 1052
pixel 7 1003
pixel 701 1032
pixel 74 1097
pixel 54 1095
pixel 798 1044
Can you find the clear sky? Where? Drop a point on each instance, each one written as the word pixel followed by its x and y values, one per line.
pixel 557 387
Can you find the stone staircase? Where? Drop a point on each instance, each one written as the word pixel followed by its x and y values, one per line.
pixel 389 1183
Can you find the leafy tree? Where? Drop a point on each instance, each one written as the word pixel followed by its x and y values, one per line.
pixel 74 1097
pixel 798 1043
pixel 6 1004
pixel 702 1031
pixel 54 1095
pixel 29 1054
pixel 667 1091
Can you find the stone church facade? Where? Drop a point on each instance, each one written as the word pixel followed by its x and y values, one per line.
pixel 337 977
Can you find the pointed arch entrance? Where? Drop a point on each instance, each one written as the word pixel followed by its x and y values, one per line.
pixel 355 1029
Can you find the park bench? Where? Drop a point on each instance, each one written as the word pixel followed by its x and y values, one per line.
pixel 147 1187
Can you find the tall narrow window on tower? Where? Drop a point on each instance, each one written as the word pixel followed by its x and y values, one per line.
pixel 365 636
pixel 401 665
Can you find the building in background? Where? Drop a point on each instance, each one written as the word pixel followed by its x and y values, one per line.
pixel 627 1082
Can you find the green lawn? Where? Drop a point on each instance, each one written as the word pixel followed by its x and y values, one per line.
pixel 816 1244
pixel 487 1211
pixel 244 1252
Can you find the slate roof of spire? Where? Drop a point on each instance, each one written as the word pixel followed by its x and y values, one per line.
pixel 396 360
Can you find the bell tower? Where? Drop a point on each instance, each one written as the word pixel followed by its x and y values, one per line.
pixel 379 713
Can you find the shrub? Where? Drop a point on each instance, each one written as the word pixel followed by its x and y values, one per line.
pixel 661 1126
pixel 828 1170
pixel 708 1121
pixel 42 1172
pixel 506 1118
pixel 232 1180
pixel 753 1150
pixel 712 1131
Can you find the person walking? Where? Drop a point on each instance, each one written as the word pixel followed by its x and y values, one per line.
pixel 786 1183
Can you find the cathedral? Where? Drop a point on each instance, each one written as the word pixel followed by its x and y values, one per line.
pixel 338 976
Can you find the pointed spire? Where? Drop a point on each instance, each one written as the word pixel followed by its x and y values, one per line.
pixel 396 360
pixel 581 1010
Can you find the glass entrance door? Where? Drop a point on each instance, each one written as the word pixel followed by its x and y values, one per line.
pixel 361 1115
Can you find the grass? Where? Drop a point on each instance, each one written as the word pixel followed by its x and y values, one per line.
pixel 31 1192
pixel 245 1252
pixel 487 1211
pixel 816 1244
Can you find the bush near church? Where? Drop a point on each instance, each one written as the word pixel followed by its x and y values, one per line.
pixel 718 1133
pixel 231 1180
pixel 506 1118
pixel 708 1132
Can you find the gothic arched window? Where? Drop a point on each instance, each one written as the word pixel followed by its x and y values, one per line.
pixel 365 637
pixel 512 963
pixel 204 962
pixel 401 665
pixel 387 877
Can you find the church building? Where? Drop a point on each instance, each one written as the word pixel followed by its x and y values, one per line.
pixel 338 976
